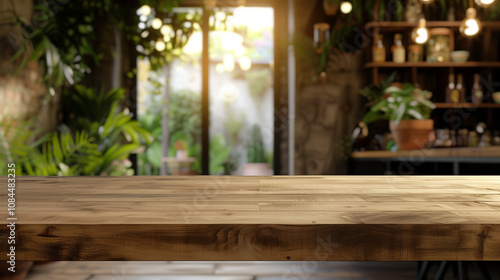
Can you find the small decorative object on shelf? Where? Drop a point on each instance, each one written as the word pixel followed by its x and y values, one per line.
pixel 415 53
pixel 461 89
pixel 413 11
pixel 378 49
pixel 331 7
pixel 473 139
pixel 496 138
pixel 477 91
pixel 496 97
pixel 485 139
pixel 438 47
pixel 398 50
pixel 321 33
pixel 452 93
pixel 459 56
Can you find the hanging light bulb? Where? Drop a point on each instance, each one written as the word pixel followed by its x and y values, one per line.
pixel 484 3
pixel 470 26
pixel 420 35
pixel 345 7
pixel 145 10
pixel 156 23
pixel 426 1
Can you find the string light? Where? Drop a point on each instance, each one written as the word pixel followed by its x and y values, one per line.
pixel 426 1
pixel 470 26
pixel 345 7
pixel 484 3
pixel 145 10
pixel 156 23
pixel 160 45
pixel 420 35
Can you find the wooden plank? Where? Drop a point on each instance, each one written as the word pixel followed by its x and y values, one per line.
pixel 358 242
pixel 255 218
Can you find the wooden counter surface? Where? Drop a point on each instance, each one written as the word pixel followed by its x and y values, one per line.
pixel 255 218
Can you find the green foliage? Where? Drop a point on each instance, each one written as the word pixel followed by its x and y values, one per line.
pixel 255 147
pixel 319 57
pixel 258 82
pixel 89 143
pixel 375 92
pixel 403 103
pixel 219 153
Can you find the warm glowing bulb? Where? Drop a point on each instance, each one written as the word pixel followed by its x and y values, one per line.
pixel 156 23
pixel 145 10
pixel 346 7
pixel 420 35
pixel 245 63
pixel 228 62
pixel 166 30
pixel 470 26
pixel 160 45
pixel 426 1
pixel 484 3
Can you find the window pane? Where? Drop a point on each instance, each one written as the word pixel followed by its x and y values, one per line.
pixel 241 91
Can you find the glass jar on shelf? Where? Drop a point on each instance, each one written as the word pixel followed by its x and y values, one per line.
pixel 378 49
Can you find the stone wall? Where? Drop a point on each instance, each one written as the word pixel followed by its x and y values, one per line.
pixel 326 113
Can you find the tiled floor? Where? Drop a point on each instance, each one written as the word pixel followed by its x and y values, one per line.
pixel 221 271
pixel 231 271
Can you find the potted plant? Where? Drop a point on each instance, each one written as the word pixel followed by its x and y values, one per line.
pixel 256 160
pixel 408 109
pixel 331 7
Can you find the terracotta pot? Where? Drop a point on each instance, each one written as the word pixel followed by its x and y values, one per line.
pixel 411 134
pixel 330 9
pixel 257 169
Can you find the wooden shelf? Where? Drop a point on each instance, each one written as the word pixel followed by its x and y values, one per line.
pixel 466 105
pixel 395 26
pixel 424 64
pixel 487 152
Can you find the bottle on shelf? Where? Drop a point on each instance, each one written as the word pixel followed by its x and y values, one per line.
pixel 461 89
pixel 473 139
pixel 477 91
pixel 452 93
pixel 453 138
pixel 398 50
pixel 378 49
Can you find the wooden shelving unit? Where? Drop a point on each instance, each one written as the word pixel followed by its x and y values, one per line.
pixel 466 105
pixel 424 64
pixel 401 26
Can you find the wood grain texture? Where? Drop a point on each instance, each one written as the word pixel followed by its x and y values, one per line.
pixel 256 218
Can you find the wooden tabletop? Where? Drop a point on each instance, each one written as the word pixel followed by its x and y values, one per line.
pixel 255 218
